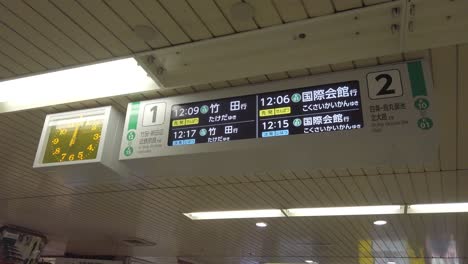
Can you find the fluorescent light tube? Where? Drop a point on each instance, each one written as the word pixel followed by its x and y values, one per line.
pixel 437 208
pixel 351 210
pixel 291 262
pixel 235 214
pixel 99 80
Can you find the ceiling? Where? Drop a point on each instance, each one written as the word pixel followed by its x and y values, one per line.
pixel 43 35
pixel 39 35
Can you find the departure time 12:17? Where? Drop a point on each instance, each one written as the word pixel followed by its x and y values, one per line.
pixel 184 133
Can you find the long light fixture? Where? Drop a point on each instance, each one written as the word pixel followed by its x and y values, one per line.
pixel 335 211
pixel 350 210
pixel 437 208
pixel 105 79
pixel 235 214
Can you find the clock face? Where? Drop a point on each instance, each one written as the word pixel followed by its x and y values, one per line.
pixel 73 141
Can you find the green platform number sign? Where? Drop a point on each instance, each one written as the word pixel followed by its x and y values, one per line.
pixel 204 109
pixel 128 151
pixel 296 98
pixel 131 135
pixel 421 104
pixel 425 123
pixel 297 122
pixel 202 132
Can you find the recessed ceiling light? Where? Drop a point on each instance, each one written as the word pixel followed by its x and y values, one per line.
pixel 391 262
pixel 437 208
pixel 261 224
pixel 351 210
pixel 309 261
pixel 235 214
pixel 138 242
pixel 380 222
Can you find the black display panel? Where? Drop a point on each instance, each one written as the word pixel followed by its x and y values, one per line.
pixel 323 108
pixel 213 121
pixel 315 109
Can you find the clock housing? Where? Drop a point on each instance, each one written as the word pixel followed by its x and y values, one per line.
pixel 79 147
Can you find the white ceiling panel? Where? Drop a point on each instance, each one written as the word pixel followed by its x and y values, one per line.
pixel 36 36
pixel 94 219
pixel 43 35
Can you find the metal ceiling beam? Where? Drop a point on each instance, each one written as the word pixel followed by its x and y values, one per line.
pixel 379 30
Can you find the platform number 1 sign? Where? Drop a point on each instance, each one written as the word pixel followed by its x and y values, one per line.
pixel 154 114
pixel 384 84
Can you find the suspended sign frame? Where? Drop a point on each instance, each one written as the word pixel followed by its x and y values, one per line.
pixel 370 117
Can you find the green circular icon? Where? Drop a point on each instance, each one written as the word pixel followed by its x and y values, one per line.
pixel 297 122
pixel 204 109
pixel 128 151
pixel 131 135
pixel 425 123
pixel 202 132
pixel 296 98
pixel 421 104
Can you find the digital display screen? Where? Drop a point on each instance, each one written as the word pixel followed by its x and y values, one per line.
pixel 213 121
pixel 307 110
pixel 324 108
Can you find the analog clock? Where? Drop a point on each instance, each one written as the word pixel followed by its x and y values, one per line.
pixel 82 147
pixel 74 137
pixel 77 139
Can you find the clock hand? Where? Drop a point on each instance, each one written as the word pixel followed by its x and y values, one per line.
pixel 73 139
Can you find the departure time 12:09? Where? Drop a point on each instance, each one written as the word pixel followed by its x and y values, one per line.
pixel 189 111
pixel 277 124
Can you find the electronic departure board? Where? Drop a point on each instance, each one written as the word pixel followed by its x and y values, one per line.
pixel 385 113
pixel 315 109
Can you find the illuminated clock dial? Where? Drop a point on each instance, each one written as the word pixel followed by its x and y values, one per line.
pixel 73 141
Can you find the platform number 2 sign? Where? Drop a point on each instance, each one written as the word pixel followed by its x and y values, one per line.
pixel 384 84
pixel 154 114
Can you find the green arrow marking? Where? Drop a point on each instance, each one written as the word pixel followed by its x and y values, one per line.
pixel 416 74
pixel 133 121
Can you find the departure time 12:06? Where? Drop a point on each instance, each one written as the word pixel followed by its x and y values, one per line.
pixel 275 100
